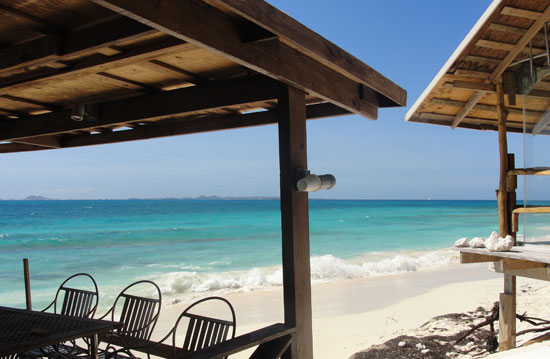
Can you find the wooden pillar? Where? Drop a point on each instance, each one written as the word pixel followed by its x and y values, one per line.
pixel 503 152
pixel 507 318
pixel 27 280
pixel 295 221
pixel 511 186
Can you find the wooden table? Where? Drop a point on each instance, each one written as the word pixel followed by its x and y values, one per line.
pixel 22 330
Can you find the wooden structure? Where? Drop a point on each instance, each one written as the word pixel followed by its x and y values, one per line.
pixel 497 79
pixel 89 72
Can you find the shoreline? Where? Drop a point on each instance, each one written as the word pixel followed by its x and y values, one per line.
pixel 350 315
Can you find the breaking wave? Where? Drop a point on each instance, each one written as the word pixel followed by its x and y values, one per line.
pixel 324 268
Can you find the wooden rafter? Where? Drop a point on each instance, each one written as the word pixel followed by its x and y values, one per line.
pixel 204 26
pixel 279 23
pixel 541 19
pixel 41 141
pixel 42 25
pixel 140 108
pixel 173 128
pixel 59 46
pixel 147 52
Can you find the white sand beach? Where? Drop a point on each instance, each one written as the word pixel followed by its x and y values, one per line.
pixel 351 315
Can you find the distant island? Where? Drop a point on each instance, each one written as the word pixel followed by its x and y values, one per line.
pixel 36 198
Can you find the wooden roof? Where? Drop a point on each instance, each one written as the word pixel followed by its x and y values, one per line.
pixel 499 46
pixel 85 72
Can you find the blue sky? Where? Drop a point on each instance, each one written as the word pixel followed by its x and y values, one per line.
pixel 407 41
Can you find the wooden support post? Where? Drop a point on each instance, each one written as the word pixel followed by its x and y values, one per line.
pixel 295 221
pixel 27 279
pixel 503 150
pixel 511 186
pixel 507 319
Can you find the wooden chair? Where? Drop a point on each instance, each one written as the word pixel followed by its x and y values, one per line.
pixel 138 315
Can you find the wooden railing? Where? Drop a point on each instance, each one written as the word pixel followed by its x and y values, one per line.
pixel 272 342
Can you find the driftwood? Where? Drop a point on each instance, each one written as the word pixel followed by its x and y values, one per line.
pixel 542 325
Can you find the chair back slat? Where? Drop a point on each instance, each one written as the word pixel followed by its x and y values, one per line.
pixel 77 302
pixel 203 332
pixel 138 316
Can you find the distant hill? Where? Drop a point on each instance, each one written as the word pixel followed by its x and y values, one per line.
pixel 36 198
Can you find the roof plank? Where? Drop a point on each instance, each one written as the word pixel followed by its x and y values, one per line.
pixel 59 46
pixel 279 23
pixel 204 26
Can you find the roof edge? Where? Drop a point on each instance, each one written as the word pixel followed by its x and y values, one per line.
pixel 458 51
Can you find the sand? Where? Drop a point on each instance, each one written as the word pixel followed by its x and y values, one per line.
pixel 351 315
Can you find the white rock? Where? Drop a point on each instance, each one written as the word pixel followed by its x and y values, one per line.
pixel 425 351
pixel 491 242
pixel 462 242
pixel 402 344
pixel 420 346
pixel 499 244
pixel 477 242
pixel 508 242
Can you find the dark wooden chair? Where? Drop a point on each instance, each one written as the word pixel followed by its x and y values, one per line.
pixel 138 315
pixel 192 331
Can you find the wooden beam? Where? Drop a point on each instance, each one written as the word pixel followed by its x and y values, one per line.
pixel 57 47
pixel 496 74
pixel 503 154
pixel 127 83
pixel 463 112
pixel 515 264
pixel 517 12
pixel 534 273
pixel 169 103
pixel 41 25
pixel 147 52
pixel 295 221
pixel 537 209
pixel 184 127
pixel 242 342
pixel 466 258
pixel 42 141
pixel 480 86
pixel 477 86
pixel 162 67
pixel 205 26
pixel 47 106
pixel 279 23
pixel 483 59
pixel 483 107
pixel 513 30
pixel 471 73
pixel 535 171
pixel 504 46
pixel 520 45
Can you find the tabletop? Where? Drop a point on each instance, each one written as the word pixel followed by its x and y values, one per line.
pixel 22 329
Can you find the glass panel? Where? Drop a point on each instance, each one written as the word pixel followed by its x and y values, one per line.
pixel 535 227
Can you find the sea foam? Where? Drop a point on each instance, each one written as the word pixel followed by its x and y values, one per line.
pixel 324 268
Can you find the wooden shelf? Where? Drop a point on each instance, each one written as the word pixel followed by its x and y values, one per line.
pixel 535 171
pixel 533 209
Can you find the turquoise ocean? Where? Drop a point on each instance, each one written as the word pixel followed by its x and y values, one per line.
pixel 195 248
